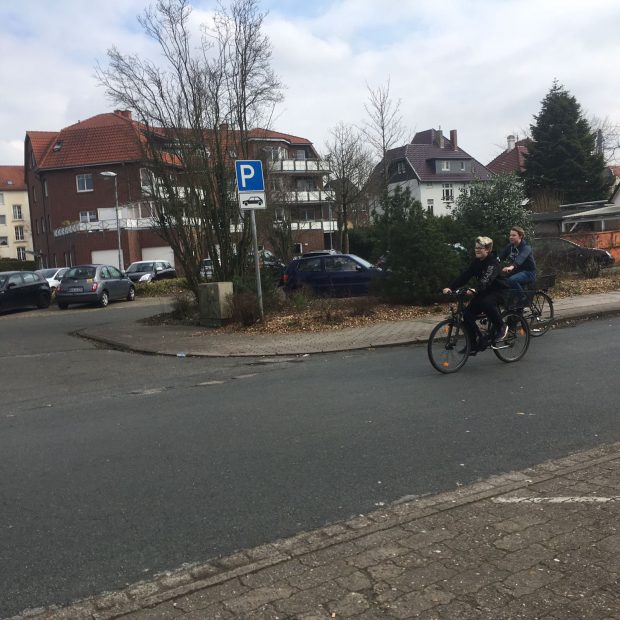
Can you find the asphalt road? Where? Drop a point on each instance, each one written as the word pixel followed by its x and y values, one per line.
pixel 116 466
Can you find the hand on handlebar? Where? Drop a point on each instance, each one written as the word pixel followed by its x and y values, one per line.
pixel 470 292
pixel 446 291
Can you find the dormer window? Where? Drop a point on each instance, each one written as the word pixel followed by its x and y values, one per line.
pixel 400 167
pixel 462 166
pixel 445 166
pixel 57 146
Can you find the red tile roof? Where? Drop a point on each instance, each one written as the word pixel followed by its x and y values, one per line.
pixel 12 178
pixel 512 160
pixel 102 139
pixel 108 138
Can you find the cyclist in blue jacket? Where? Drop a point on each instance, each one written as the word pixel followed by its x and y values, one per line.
pixel 522 268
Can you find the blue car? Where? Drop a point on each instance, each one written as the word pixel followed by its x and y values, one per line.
pixel 332 274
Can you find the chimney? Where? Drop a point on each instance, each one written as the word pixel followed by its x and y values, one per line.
pixel 124 113
pixel 511 143
pixel 453 139
pixel 440 141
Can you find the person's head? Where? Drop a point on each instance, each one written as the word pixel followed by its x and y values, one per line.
pixel 483 247
pixel 516 235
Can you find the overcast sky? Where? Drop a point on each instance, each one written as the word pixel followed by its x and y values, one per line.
pixel 479 66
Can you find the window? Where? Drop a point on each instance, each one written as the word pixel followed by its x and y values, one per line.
pixel 445 165
pixel 4 241
pixel 34 194
pixel 1 198
pixel 49 222
pixel 430 206
pixel 311 264
pixel 114 272
pixel 36 226
pixel 45 188
pixel 447 192
pixel 21 253
pixel 28 278
pixel 462 165
pixel 84 182
pixel 17 212
pixel 300 154
pixel 88 216
pixel 340 263
pixel 400 167
pixel 2 220
pixel 42 224
pixel 19 233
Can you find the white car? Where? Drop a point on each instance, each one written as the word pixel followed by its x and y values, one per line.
pixel 53 275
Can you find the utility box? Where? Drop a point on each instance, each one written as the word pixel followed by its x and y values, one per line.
pixel 214 303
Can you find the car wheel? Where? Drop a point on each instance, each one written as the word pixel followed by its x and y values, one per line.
pixel 131 295
pixel 43 301
pixel 104 300
pixel 63 306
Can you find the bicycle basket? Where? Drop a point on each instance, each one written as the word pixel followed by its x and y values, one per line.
pixel 545 281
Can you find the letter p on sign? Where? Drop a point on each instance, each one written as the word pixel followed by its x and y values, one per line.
pixel 249 175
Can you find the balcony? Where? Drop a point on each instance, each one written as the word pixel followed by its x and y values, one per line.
pixel 304 196
pixel 299 165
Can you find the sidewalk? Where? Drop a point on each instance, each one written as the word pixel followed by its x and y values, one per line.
pixel 198 341
pixel 540 543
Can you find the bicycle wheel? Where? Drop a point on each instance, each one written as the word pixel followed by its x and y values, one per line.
pixel 514 347
pixel 448 346
pixel 540 316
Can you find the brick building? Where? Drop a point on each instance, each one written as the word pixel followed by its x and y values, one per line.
pixel 72 204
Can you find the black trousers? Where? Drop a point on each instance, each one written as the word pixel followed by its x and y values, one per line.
pixel 486 303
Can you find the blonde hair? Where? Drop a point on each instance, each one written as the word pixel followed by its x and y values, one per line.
pixel 519 231
pixel 485 242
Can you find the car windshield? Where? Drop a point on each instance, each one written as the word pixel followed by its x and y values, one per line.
pixel 140 267
pixel 47 273
pixel 362 261
pixel 80 273
pixel 3 278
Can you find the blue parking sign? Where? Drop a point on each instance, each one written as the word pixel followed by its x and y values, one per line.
pixel 249 175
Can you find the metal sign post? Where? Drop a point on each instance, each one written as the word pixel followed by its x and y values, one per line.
pixel 251 186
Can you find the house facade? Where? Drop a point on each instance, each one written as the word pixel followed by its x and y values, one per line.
pixel 15 228
pixel 89 189
pixel 434 169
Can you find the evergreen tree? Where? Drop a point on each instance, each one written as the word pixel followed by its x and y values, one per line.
pixel 562 158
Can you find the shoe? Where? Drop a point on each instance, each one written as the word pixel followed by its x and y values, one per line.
pixel 503 332
pixel 472 350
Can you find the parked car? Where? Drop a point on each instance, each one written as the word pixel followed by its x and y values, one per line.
pixel 564 255
pixel 23 289
pixel 94 284
pixel 331 274
pixel 53 275
pixel 206 271
pixel 318 253
pixel 150 270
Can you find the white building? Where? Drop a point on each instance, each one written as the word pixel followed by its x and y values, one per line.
pixel 15 230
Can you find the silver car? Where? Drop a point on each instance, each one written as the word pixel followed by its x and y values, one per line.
pixel 94 284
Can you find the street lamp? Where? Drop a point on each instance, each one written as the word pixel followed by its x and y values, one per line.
pixel 109 174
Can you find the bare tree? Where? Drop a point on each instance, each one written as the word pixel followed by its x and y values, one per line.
pixel 383 128
pixel 351 165
pixel 608 137
pixel 195 113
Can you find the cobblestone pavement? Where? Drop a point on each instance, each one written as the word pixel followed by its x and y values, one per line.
pixel 540 543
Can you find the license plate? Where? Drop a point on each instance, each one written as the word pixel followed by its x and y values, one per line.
pixel 75 289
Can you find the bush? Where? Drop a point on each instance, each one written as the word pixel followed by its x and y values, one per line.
pixel 14 264
pixel 591 268
pixel 162 288
pixel 184 306
pixel 244 308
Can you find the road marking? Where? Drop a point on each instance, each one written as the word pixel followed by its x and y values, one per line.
pixel 556 500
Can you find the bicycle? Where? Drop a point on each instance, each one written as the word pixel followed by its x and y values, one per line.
pixel 449 345
pixel 539 310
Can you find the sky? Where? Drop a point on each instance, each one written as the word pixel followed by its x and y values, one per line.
pixel 481 67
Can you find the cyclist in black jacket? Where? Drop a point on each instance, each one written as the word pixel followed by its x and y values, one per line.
pixel 488 294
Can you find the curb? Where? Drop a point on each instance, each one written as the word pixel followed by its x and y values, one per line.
pixel 559 322
pixel 190 579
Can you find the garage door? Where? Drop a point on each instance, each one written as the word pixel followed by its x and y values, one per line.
pixel 163 252
pixel 107 257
